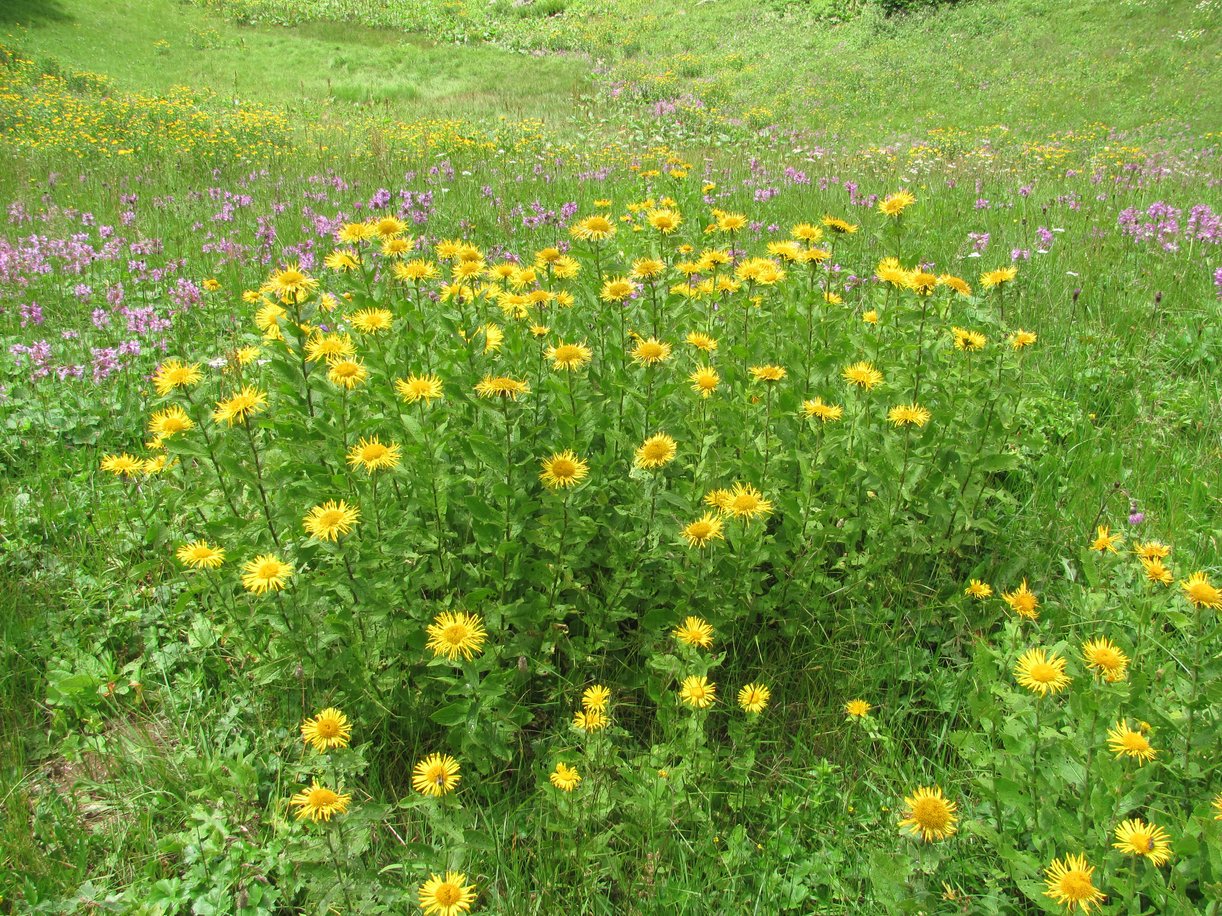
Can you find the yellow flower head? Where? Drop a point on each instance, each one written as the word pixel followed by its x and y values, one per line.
pixel 501 387
pixel 374 455
pixel 564 777
pixel 241 407
pixel 329 347
pixel 994 279
pixel 704 381
pixel 265 573
pixel 817 409
pixel 895 204
pixel 1105 540
pixel 590 720
pixel 595 696
pixel 318 803
pixel 123 465
pixel 446 896
pixel 703 531
pixel 174 373
pixel 753 698
pixel 1135 837
pixel 929 814
pixel 617 290
pixel 569 357
pixel 1104 657
pixel 290 284
pixel 415 388
pixel 1068 882
pixel 201 555
pixel 651 351
pixel 702 341
pixel 838 226
pixel 698 691
pixel 1156 571
pixel 1200 592
pixel 746 502
pixel 1021 339
pixel 857 709
pixel 593 229
pixel 331 520
pixel 563 470
pixel 436 775
pixel 694 631
pixel 665 221
pixel 767 373
pixel 655 452
pixel 1041 672
pixel 908 415
pixel 1126 742
pixel 863 375
pixel 456 633
pixel 968 340
pixel 329 729
pixel 978 590
pixel 1023 602
pixel 372 321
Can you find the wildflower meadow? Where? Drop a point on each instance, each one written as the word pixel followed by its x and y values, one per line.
pixel 640 490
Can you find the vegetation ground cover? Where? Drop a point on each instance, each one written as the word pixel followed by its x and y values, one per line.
pixel 607 508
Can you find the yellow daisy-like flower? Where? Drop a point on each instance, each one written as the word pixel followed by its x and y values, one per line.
pixel 767 373
pixel 655 452
pixel 595 696
pixel 839 226
pixel 318 803
pixel 291 284
pixel 590 720
pixel 201 555
pixel 965 339
pixel 746 502
pixel 397 248
pixel 863 375
pixel 922 283
pixel 1105 540
pixel 1156 571
pixel 415 388
pixel 806 232
pixel 415 271
pixel 151 466
pixel 1041 672
pixel 978 590
pixel 329 729
pixel 718 499
pixel 329 348
pixel 617 290
pixel 354 232
pixel 870 317
pixel 651 351
pixel 857 709
pixel 929 814
pixel 1125 742
pixel 331 520
pixel 374 455
pixel 174 373
pixel 342 260
pixel 347 373
pixel 123 465
pixel 1105 658
pixel 501 387
pixel 1023 602
pixel 698 691
pixel 245 356
pixel 248 402
pixel 731 222
pixel 564 777
pixel 448 896
pixel 436 775
pixel 1135 837
pixel 908 415
pixel 388 227
pixel 816 408
pixel 166 423
pixel 665 221
pixel 265 573
pixel 647 269
pixel 704 381
pixel 1021 339
pixel 1200 592
pixel 694 631
pixel 1151 550
pixel 562 470
pixel 569 356
pixel 1068 882
pixel 895 204
pixel 456 633
pixel 702 341
pixel 753 698
pixel 593 229
pixel 703 531
pixel 997 278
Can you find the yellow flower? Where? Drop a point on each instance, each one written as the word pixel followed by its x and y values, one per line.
pixel 436 775
pixel 415 271
pixel 328 729
pixel 617 290
pixel 201 555
pixel 703 531
pixel 702 341
pixel 1217 806
pixel 415 388
pixel 448 896
pixel 698 691
pixel 979 590
pixel 265 573
pixel 1021 339
pixel 241 407
pixel 647 268
pixel 174 373
pixel 805 232
pixel 1068 882
pixel 870 317
pixel 329 347
pixel 564 777
pixel 731 222
pixel 857 709
pixel 1200 592
pixel 665 221
pixel 694 631
pixel 838 226
pixel 1151 550
pixel 502 387
pixel 999 277
pixel 1135 837
pixel 1041 673
pixel 331 520
pixel 908 415
pixel 291 284
pixel 704 381
pixel 863 375
pixel 1125 742
pixel 651 351
pixel 569 356
pixel 590 720
pixel 318 803
pixel 374 455
pixel 767 373
pixel 746 502
pixel 563 470
pixel 1104 657
pixel 595 696
pixel 456 633
pixel 593 229
pixel 123 465
pixel 753 698
pixel 968 340
pixel 1157 571
pixel 1023 602
pixel 929 815
pixel 895 204
pixel 818 409
pixel 956 283
pixel 655 452
pixel 388 227
pixel 211 285
pixel 1105 540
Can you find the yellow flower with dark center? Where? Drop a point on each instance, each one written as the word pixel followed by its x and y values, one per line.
pixel 329 347
pixel 694 631
pixel 342 260
pixel 329 729
pixel 731 222
pixel 241 407
pixel 895 204
pixel 999 277
pixel 968 340
pixel 978 590
pixel 816 408
pixel 863 375
pixel 290 284
pixel 563 470
pixel 174 373
pixel 593 229
pixel 753 698
pixel 564 777
pixel 1105 657
pixel 1105 540
pixel 1156 571
pixel 1125 742
pixel 415 388
pixel 265 573
pixel 698 691
pixel 1135 837
pixel 651 351
pixel 347 373
pixel 595 696
pixel 838 226
pixel 569 356
pixel 501 387
pixel 767 373
pixel 123 465
pixel 448 896
pixel 704 381
pixel 201 555
pixel 1068 882
pixel 372 321
pixel 1151 550
pixel 647 268
pixel 665 221
pixel 590 720
pixel 1023 602
pixel 456 633
pixel 374 455
pixel 703 531
pixel 1021 339
pixel 1200 592
pixel 857 709
pixel 415 271
pixel 929 814
pixel 331 520
pixel 318 803
pixel 702 341
pixel 655 452
pixel 908 415
pixel 1041 672
pixel 436 775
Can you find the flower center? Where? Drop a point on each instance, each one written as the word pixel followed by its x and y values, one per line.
pixel 455 634
pixel 930 813
pixel 321 798
pixel 1043 673
pixel 448 894
pixel 1077 886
